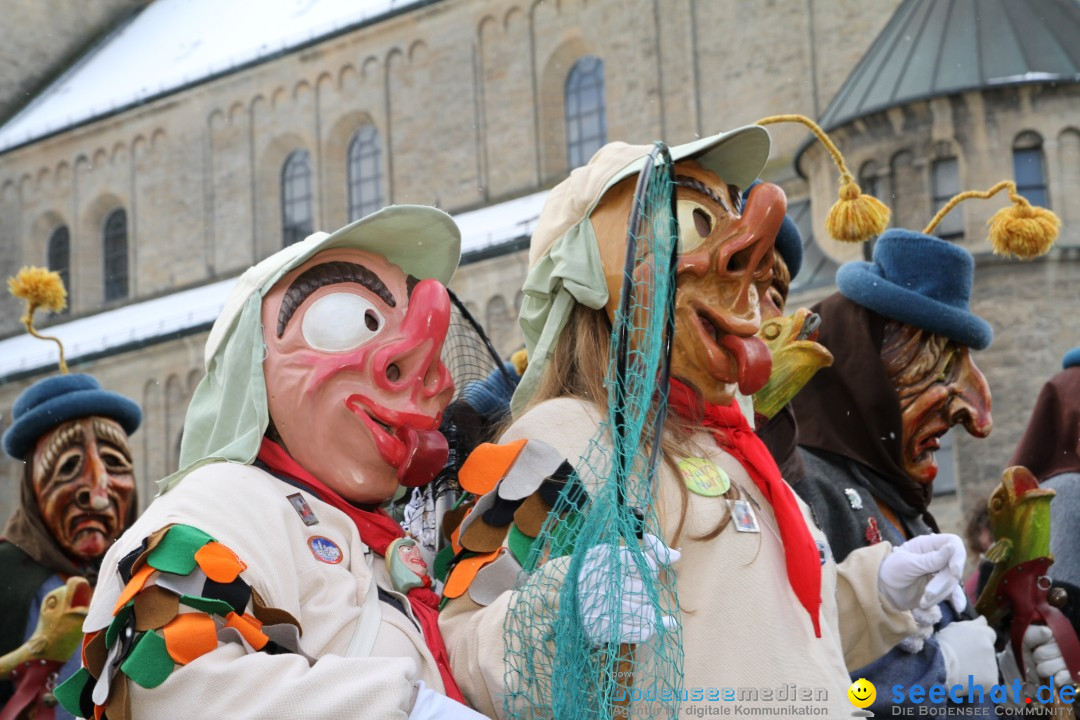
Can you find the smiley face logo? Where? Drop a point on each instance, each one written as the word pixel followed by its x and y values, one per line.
pixel 862 693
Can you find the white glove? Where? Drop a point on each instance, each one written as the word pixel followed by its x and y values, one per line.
pixel 431 705
pixel 923 571
pixel 968 648
pixel 596 592
pixel 1042 659
pixel 925 620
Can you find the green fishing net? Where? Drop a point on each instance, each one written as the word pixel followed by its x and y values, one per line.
pixel 553 667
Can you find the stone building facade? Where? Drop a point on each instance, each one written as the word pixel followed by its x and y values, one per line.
pixel 464 104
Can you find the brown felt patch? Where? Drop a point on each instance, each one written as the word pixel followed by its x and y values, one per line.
pixel 463 574
pixel 271 615
pixel 118 706
pixel 155 608
pixel 487 464
pixel 94 653
pixel 452 519
pixel 483 538
pixel 531 515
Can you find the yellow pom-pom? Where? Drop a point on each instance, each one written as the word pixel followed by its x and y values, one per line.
pixel 1024 231
pixel 520 361
pixel 40 288
pixel 856 217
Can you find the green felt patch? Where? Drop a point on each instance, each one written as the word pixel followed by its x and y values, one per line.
pixel 69 691
pixel 210 606
pixel 149 662
pixel 441 566
pixel 176 551
pixel 117 624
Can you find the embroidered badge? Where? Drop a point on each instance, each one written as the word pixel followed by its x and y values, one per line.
pixel 704 477
pixel 745 520
pixel 303 509
pixel 873 532
pixel 822 551
pixel 853 499
pixel 325 549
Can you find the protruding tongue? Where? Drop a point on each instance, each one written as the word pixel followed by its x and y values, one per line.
pixel 753 359
pixel 426 452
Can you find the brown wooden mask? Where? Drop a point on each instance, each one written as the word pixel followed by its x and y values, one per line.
pixel 83 484
pixel 938 386
pixel 725 265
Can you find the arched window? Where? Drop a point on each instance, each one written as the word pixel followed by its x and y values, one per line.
pixel 365 173
pixel 116 255
pixel 59 257
pixel 1029 169
pixel 945 182
pixel 297 220
pixel 586 126
pixel 870 183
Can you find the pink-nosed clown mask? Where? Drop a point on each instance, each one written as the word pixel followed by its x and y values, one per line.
pixel 355 384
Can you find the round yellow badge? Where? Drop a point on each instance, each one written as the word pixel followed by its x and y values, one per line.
pixel 862 693
pixel 704 477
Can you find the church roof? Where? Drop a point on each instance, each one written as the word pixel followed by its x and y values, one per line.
pixel 941 47
pixel 174 44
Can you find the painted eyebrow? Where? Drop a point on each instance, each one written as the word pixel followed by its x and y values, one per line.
pixel 60 440
pixel 697 186
pixel 331 273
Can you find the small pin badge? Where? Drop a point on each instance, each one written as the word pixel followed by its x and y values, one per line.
pixel 853 499
pixel 745 519
pixel 303 509
pixel 873 532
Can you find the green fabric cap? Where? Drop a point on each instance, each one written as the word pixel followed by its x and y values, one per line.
pixel 176 551
pixel 520 544
pixel 69 692
pixel 149 663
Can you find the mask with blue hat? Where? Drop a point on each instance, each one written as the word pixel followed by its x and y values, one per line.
pixel 909 307
pixel 78 491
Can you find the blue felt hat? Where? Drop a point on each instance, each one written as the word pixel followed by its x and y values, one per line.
pixel 920 280
pixel 60 398
pixel 1071 359
pixel 789 240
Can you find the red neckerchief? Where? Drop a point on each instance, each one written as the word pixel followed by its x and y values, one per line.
pixel 733 434
pixel 377 530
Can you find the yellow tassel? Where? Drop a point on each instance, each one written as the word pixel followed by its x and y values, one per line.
pixel 855 217
pixel 40 288
pixel 520 361
pixel 1022 230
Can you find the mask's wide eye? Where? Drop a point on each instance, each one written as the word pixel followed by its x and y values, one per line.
pixel 695 223
pixel 340 321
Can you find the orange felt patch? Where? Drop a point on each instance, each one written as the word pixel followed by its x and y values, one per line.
pixel 190 635
pixel 487 464
pixel 465 571
pixel 99 711
pixel 249 627
pixel 219 562
pixel 133 587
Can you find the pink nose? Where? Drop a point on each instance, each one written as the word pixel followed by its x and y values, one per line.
pixel 413 359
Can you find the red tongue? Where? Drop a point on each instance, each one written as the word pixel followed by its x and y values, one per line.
pixel 753 359
pixel 426 452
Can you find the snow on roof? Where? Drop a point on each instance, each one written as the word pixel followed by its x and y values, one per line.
pixel 179 312
pixel 173 43
pixel 498 224
pixel 138 322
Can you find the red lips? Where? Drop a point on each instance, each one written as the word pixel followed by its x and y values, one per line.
pixel 410 442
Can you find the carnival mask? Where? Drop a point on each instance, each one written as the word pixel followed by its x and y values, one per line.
pixel 792 342
pixel 83 484
pixel 938 386
pixel 725 264
pixel 355 384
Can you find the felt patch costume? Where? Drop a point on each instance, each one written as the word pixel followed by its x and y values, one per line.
pixel 77 496
pixel 257 582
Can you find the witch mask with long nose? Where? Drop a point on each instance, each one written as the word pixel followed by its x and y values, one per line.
pixel 725 265
pixel 355 384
